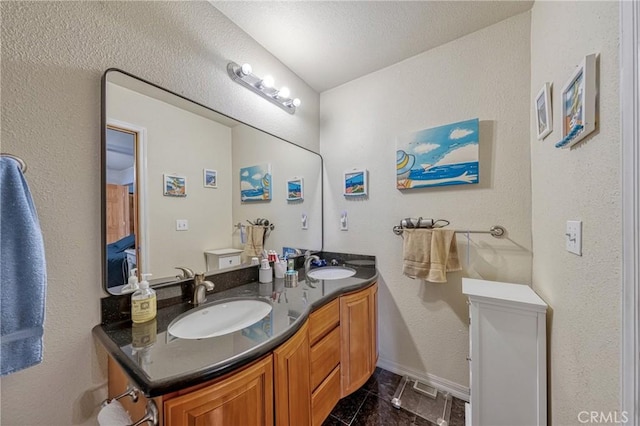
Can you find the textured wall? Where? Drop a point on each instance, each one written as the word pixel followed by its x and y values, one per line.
pixel 583 184
pixel 53 56
pixel 423 327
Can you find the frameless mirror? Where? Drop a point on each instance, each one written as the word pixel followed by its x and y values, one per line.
pixel 173 190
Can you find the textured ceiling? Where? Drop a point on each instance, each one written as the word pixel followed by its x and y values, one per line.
pixel 328 43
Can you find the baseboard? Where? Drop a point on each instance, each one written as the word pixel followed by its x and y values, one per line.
pixel 459 391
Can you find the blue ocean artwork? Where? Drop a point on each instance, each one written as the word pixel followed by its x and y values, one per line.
pixel 354 183
pixel 440 156
pixel 294 190
pixel 255 183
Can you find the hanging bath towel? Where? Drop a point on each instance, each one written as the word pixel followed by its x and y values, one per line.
pixel 429 254
pixel 22 273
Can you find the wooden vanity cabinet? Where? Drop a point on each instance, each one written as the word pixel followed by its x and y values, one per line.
pixel 291 380
pixel 324 326
pixel 298 384
pixel 243 398
pixel 358 329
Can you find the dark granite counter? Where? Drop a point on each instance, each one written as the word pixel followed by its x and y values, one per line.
pixel 159 363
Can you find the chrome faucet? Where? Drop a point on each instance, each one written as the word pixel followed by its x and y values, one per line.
pixel 201 286
pixel 186 273
pixel 307 263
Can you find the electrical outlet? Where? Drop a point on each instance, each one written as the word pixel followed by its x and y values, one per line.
pixel 574 237
pixel 182 224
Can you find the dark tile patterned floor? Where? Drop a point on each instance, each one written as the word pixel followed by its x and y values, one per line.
pixel 371 406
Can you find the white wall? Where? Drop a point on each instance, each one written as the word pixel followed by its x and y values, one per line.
pixel 423 327
pixel 53 56
pixel 582 183
pixel 252 147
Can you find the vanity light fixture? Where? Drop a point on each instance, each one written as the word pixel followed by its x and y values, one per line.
pixel 244 76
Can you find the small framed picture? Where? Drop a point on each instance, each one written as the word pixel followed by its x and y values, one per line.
pixel 175 185
pixel 544 115
pixel 579 103
pixel 210 178
pixel 355 182
pixel 295 189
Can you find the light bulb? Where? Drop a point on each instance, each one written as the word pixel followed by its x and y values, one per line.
pixel 245 69
pixel 267 82
pixel 296 102
pixel 284 92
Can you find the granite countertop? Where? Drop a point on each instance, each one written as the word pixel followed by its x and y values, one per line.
pixel 159 363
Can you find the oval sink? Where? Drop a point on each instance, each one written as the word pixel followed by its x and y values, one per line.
pixel 217 320
pixel 331 273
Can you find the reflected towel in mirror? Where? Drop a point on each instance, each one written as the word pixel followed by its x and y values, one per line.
pixel 254 244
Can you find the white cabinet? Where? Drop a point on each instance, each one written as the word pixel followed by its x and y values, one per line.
pixel 507 347
pixel 222 258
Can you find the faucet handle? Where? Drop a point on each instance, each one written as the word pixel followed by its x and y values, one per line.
pixel 186 272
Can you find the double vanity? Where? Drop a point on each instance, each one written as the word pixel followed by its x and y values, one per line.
pixel 251 354
pixel 255 354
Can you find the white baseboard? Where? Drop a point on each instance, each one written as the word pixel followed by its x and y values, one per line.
pixel 459 391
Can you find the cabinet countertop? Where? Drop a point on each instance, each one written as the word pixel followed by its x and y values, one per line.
pixel 159 363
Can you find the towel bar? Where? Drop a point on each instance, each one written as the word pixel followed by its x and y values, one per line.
pixel 130 391
pixel 151 415
pixel 496 231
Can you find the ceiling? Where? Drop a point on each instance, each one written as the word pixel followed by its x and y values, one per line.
pixel 328 43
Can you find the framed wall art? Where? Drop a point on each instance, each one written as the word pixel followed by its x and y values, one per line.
pixel 210 178
pixel 355 183
pixel 174 185
pixel 295 189
pixel 255 183
pixel 544 116
pixel 578 99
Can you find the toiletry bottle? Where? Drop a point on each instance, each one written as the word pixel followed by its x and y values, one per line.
pixel 132 284
pixel 265 274
pixel 143 302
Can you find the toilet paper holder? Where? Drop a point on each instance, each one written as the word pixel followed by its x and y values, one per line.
pixel 151 413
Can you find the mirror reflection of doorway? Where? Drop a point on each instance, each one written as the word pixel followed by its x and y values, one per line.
pixel 122 204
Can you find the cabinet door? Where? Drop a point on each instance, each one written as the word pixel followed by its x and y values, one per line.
pixel 357 319
pixel 373 320
pixel 244 398
pixel 292 382
pixel 117 212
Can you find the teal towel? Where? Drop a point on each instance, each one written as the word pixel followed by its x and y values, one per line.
pixel 22 273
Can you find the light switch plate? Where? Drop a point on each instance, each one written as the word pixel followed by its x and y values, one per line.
pixel 182 224
pixel 573 237
pixel 344 221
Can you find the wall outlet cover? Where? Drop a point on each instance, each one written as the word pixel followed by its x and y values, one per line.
pixel 182 224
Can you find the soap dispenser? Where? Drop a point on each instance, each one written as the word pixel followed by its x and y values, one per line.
pixel 143 302
pixel 132 284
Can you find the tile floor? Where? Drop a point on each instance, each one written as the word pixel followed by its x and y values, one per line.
pixel 371 406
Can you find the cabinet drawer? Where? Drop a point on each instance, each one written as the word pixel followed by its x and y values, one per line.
pixel 325 397
pixel 325 355
pixel 228 261
pixel 323 320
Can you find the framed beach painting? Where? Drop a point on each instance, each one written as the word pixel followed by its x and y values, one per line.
pixel 439 156
pixel 579 103
pixel 255 183
pixel 295 189
pixel 355 183
pixel 543 111
pixel 210 178
pixel 174 185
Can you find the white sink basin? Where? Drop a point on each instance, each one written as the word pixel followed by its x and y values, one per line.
pixel 331 273
pixel 217 320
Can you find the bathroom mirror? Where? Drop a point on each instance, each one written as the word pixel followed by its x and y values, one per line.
pixel 171 174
